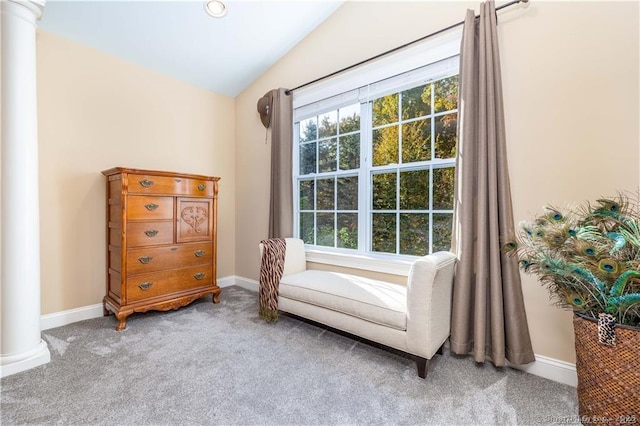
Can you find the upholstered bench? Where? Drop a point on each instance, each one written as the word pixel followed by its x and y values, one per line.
pixel 414 318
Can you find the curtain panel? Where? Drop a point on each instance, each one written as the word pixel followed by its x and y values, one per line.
pixel 488 317
pixel 281 200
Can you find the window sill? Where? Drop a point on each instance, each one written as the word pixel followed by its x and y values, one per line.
pixel 382 264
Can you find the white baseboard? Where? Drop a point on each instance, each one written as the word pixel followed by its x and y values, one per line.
pixel 247 283
pixel 226 281
pixel 552 369
pixel 549 368
pixel 58 319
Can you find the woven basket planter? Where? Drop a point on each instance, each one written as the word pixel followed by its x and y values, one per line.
pixel 608 376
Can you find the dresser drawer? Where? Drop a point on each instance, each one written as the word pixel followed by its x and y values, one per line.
pixel 149 208
pixel 198 188
pixel 146 286
pixel 152 259
pixel 151 184
pixel 149 233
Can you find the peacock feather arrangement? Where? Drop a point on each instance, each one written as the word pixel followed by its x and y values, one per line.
pixel 587 256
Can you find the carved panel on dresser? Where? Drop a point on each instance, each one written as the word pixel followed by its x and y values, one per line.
pixel 161 240
pixel 194 220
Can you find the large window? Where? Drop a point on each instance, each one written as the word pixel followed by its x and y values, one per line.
pixel 375 174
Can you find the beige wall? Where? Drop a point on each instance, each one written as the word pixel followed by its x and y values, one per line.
pixel 573 74
pixel 570 79
pixel 96 111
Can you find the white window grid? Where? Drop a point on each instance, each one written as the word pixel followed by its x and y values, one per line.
pixel 366 171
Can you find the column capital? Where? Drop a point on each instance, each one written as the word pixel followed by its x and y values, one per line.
pixel 36 7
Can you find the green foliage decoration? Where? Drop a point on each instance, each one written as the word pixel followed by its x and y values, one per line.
pixel 587 256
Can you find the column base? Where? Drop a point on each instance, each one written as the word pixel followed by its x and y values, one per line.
pixel 15 363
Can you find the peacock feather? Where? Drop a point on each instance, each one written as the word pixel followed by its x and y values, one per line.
pixel 608 205
pixel 577 301
pixel 587 256
pixel 553 214
pixel 608 266
pixel 619 241
pixel 621 282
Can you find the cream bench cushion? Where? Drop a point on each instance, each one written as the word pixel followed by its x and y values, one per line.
pixel 371 300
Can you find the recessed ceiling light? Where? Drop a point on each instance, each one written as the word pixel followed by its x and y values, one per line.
pixel 215 8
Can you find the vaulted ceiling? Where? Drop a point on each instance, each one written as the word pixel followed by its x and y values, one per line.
pixel 178 38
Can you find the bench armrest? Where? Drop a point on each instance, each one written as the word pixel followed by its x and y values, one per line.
pixel 429 295
pixel 295 259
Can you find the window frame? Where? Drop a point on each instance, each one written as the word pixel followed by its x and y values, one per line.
pixel 439 60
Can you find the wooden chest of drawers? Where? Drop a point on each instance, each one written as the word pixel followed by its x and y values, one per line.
pixel 161 240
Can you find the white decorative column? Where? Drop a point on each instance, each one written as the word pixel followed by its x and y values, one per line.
pixel 21 345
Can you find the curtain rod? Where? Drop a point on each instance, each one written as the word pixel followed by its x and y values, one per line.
pixel 395 49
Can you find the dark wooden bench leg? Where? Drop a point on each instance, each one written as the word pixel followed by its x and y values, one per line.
pixel 422 364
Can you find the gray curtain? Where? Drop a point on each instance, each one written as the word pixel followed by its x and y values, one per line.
pixel 488 316
pixel 281 201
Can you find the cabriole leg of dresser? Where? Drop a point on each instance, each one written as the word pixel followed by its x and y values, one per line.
pixel 122 320
pixel 121 315
pixel 216 295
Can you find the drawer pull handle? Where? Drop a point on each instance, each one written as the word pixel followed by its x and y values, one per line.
pixel 146 183
pixel 151 233
pixel 151 207
pixel 202 186
pixel 145 259
pixel 145 286
pixel 198 253
pixel 199 275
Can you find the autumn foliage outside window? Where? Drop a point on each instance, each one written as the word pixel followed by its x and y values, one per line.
pixel 378 176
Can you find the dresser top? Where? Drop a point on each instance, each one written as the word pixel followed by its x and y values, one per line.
pixel 123 170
